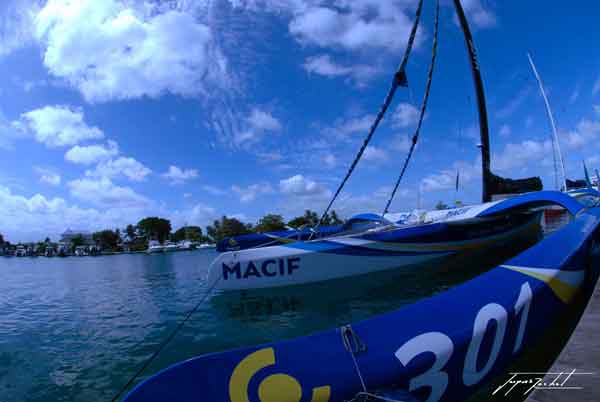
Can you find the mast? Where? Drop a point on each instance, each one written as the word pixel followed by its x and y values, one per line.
pixel 483 120
pixel 555 143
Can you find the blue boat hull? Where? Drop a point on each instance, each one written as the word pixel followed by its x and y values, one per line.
pixel 439 349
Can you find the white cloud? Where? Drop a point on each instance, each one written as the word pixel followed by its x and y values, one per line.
pixel 344 128
pixel 586 133
pixel 57 126
pixel 521 154
pixel 36 217
pixel 596 87
pixel 350 204
pixel 176 175
pixel 593 160
pixel 33 218
pixel 212 190
pixel 261 120
pixel 248 194
pixel 330 160
pixel 103 193
pixel 574 95
pixel 513 104
pixel 16 20
pixel 122 166
pixel 529 122
pixel 401 142
pixel 505 131
pixel 298 185
pixel 405 115
pixel 446 178
pixel 257 124
pixel 200 215
pixel 352 25
pixel 48 176
pixel 109 49
pixel 90 154
pixel 360 74
pixel 375 154
pixel 9 133
pixel 269 156
pixel 478 15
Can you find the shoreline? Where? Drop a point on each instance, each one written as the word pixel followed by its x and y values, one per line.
pixel 108 253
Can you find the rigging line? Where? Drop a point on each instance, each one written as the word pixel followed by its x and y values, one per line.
pixel 415 137
pixel 398 80
pixel 166 341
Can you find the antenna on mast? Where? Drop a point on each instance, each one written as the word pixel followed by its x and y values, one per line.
pixel 555 143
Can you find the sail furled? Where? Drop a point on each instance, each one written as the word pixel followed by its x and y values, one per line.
pixel 575 184
pixel 501 185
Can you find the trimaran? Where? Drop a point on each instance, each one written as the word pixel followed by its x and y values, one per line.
pixel 369 242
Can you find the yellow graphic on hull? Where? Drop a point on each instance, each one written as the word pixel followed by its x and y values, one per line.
pixel 564 284
pixel 274 388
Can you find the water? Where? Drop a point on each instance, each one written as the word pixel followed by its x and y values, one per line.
pixel 75 329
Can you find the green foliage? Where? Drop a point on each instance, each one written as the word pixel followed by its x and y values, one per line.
pixel 130 232
pixel 270 223
pixel 78 241
pixel 155 228
pixel 440 205
pixel 107 239
pixel 458 203
pixel 332 219
pixel 310 218
pixel 138 245
pixel 40 248
pixel 193 233
pixel 1 239
pixel 226 227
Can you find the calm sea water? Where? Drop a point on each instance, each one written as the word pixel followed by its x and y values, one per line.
pixel 76 329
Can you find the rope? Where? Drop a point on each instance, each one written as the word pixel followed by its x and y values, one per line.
pixel 423 107
pixel 166 341
pixel 398 80
pixel 354 345
pixel 368 395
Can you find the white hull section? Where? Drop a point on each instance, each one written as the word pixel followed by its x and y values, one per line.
pixel 319 260
pixel 284 266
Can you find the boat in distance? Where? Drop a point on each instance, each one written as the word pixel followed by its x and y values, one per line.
pixel 384 245
pixel 154 246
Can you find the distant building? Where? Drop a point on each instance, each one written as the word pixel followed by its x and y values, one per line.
pixel 68 237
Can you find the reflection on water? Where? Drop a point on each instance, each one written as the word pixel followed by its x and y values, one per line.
pixel 76 329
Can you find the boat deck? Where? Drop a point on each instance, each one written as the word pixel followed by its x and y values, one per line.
pixel 581 353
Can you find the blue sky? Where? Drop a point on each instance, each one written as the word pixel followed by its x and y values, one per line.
pixel 114 110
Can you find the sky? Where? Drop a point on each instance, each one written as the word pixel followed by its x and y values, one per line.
pixel 113 110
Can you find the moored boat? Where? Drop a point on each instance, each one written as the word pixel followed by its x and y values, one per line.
pixel 385 245
pixel 185 245
pixel 21 251
pixel 392 355
pixel 154 246
pixel 170 246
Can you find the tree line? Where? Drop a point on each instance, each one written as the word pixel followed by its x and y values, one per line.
pixel 136 237
pixel 226 227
